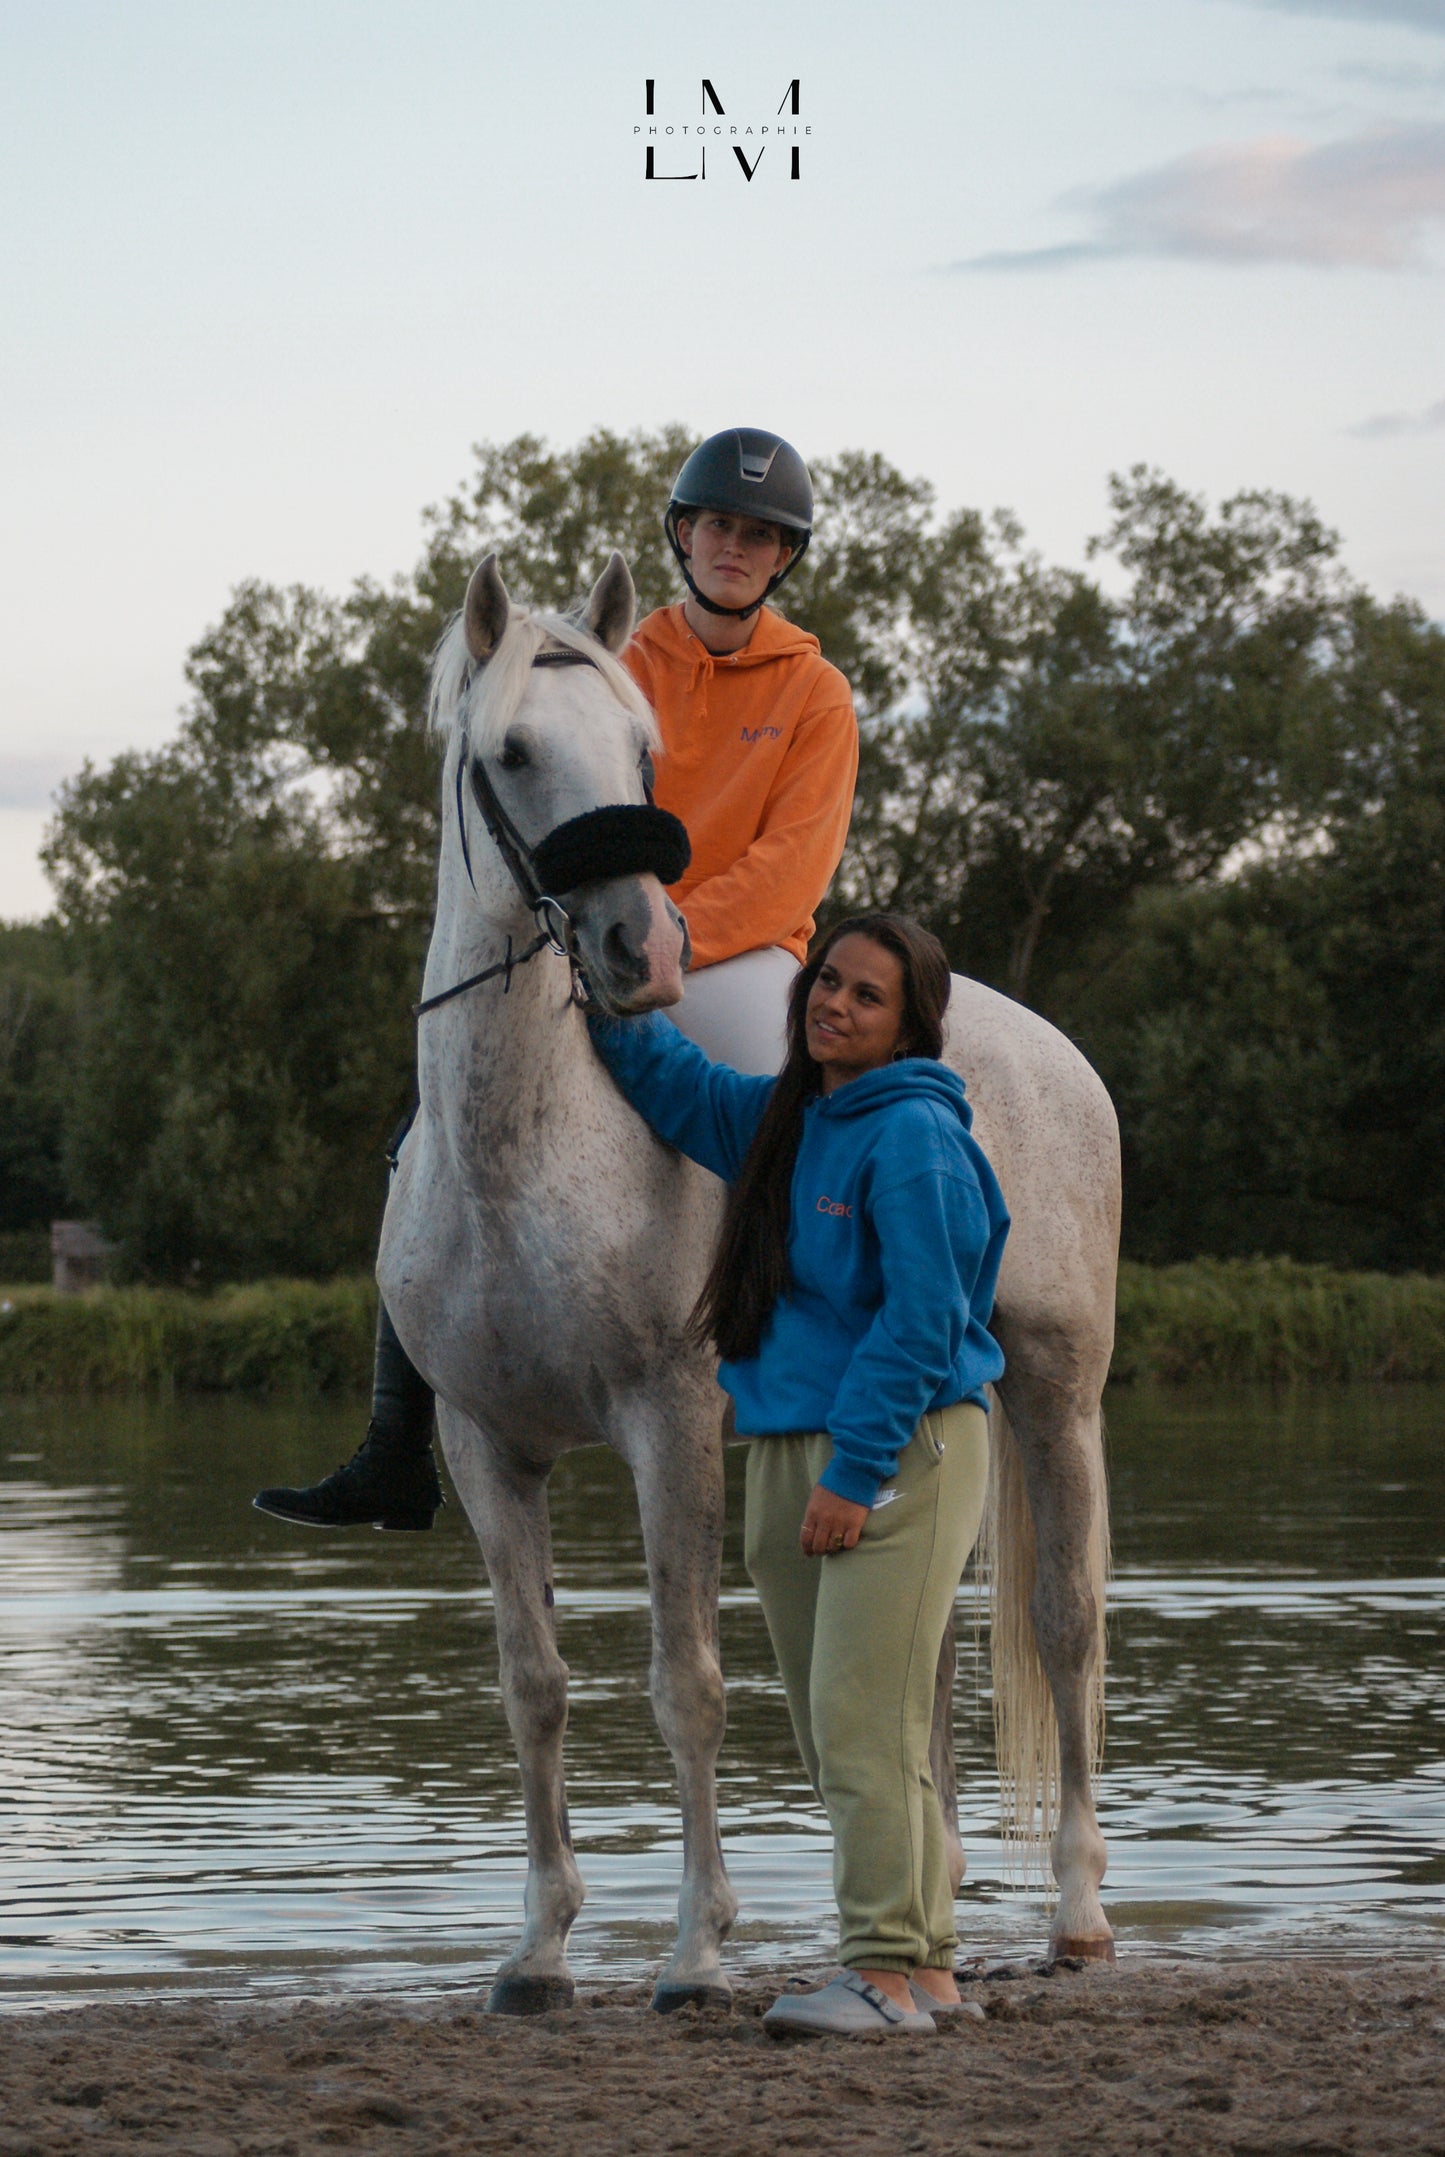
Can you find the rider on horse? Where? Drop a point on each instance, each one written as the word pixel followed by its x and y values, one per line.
pixel 759 758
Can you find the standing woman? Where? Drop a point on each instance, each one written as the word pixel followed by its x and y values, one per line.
pixel 849 1302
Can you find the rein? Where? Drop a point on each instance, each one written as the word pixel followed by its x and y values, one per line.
pixel 622 839
pixel 488 973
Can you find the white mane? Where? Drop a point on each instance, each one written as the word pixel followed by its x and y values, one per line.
pixel 486 700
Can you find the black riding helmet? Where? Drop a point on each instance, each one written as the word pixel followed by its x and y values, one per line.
pixel 745 472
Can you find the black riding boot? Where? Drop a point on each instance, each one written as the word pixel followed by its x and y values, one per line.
pixel 391 1480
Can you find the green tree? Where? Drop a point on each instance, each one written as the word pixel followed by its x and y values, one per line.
pixel 555 516
pixel 1059 749
pixel 38 1018
pixel 244 1037
pixel 1275 1042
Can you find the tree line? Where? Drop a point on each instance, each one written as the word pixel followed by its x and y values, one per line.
pixel 1187 802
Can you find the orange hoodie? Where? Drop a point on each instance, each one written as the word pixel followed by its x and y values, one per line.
pixel 759 756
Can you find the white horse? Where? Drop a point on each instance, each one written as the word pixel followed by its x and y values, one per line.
pixel 542 1251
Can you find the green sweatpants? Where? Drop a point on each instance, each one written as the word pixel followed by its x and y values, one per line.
pixel 857 1636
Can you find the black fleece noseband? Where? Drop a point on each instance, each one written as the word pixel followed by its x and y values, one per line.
pixel 623 839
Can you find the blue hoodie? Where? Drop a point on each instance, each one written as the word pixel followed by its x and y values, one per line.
pixel 898 1227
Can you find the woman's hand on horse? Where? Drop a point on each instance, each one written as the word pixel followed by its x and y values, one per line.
pixel 831 1524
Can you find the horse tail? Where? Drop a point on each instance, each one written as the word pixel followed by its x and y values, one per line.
pixel 1026 1737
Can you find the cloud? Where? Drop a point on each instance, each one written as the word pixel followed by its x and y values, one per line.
pixel 1386 424
pixel 1419 14
pixel 1272 95
pixel 1363 202
pixel 1407 81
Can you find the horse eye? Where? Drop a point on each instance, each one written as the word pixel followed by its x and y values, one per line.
pixel 513 757
pixel 646 767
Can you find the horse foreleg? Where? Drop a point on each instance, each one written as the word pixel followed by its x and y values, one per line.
pixel 507 1506
pixel 1060 1449
pixel 680 1494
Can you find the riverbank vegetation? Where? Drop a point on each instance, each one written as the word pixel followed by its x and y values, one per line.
pixel 1191 808
pixel 264 1337
pixel 1274 1322
pixel 1222 1321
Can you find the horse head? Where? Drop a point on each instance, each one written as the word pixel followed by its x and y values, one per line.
pixel 551 759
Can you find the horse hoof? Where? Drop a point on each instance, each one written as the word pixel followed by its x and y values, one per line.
pixel 519 1995
pixel 666 1999
pixel 1101 1950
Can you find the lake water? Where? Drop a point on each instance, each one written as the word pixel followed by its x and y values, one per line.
pixel 239 1757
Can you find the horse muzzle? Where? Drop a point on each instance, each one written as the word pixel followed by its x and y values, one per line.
pixel 632 943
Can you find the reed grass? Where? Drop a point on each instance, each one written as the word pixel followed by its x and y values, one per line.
pixel 1248 1320
pixel 1271 1321
pixel 268 1337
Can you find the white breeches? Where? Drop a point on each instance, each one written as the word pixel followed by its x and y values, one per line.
pixel 737 1011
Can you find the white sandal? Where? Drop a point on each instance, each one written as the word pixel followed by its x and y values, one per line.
pixel 847 2007
pixel 943 2009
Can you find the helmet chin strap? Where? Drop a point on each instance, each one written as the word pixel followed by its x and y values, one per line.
pixel 736 614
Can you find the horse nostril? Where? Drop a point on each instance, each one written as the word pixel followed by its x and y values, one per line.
pixel 620 955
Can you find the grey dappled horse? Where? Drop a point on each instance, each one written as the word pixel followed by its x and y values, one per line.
pixel 542 1251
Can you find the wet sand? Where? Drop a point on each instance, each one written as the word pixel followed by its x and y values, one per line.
pixel 1240 2059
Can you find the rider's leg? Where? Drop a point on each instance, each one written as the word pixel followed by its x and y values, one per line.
pixel 391 1480
pixel 737 1011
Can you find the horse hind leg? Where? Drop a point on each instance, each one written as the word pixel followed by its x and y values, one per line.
pixel 1050 1554
pixel 507 1506
pixel 680 1495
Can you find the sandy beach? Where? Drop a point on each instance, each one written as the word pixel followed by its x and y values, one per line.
pixel 1307 2058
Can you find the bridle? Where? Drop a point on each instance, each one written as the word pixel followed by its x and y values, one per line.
pixel 621 839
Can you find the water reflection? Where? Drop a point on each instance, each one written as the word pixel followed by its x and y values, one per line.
pixel 240 1755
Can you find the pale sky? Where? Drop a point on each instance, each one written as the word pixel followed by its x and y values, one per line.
pixel 271 267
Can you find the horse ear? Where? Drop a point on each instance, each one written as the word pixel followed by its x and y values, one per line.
pixel 486 611
pixel 612 608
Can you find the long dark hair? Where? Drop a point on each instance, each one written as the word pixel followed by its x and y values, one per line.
pixel 750 1271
